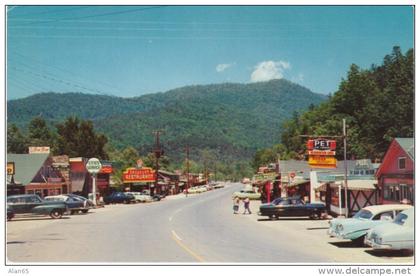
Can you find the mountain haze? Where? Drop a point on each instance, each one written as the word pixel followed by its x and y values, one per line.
pixel 231 119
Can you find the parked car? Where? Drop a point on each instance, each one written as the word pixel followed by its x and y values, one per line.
pixel 89 202
pixel 398 235
pixel 74 203
pixel 140 197
pixel 33 204
pixel 355 228
pixel 291 207
pixel 119 197
pixel 251 194
pixel 219 185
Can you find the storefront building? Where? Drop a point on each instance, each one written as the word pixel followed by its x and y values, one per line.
pixel 396 174
pixel 39 173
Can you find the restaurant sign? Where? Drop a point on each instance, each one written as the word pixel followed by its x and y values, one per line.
pixel 318 161
pixel 133 175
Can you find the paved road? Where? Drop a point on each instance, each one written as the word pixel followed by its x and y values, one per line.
pixel 200 228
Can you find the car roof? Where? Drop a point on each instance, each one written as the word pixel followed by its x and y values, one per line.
pixel 387 207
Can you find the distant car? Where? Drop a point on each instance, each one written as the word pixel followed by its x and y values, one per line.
pixel 33 204
pixel 355 228
pixel 291 207
pixel 219 185
pixel 119 197
pixel 398 235
pixel 139 197
pixel 74 203
pixel 251 194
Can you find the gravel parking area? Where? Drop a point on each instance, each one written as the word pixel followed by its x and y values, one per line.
pixel 311 234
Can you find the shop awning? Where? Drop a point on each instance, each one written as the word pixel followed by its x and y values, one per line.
pixel 352 184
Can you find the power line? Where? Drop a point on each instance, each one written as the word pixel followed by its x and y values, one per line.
pixel 104 84
pixel 95 15
pixel 53 11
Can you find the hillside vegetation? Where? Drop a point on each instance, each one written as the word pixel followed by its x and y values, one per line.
pixel 231 120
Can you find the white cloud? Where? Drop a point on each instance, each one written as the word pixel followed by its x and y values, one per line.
pixel 269 70
pixel 222 67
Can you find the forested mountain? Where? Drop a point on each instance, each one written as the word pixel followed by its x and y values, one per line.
pixel 377 103
pixel 231 120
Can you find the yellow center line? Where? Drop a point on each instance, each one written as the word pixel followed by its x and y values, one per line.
pixel 177 239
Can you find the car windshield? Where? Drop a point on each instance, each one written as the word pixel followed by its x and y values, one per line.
pixel 400 219
pixel 363 214
pixel 277 201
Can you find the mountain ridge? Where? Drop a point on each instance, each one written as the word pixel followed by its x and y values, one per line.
pixel 236 117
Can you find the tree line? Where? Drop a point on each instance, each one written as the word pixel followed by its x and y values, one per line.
pixel 78 138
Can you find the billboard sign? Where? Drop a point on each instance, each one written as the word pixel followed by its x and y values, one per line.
pixel 133 175
pixel 10 169
pixel 34 150
pixel 321 144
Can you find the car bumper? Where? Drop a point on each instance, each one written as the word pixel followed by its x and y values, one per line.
pixel 331 233
pixel 375 245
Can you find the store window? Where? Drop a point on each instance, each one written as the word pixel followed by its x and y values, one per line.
pixel 398 192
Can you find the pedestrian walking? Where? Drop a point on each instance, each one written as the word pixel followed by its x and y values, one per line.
pixel 246 206
pixel 236 205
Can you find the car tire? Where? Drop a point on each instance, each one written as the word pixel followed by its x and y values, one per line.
pixel 359 241
pixel 85 211
pixel 56 214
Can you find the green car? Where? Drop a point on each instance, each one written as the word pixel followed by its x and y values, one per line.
pixel 33 204
pixel 242 194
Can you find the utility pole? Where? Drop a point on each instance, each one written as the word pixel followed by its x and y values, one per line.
pixel 188 170
pixel 345 167
pixel 158 153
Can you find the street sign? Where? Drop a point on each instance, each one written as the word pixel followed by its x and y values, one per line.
pixel 316 161
pixel 10 168
pixel 93 165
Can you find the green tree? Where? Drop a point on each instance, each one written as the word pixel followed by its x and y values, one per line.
pixel 78 138
pixel 16 141
pixel 40 134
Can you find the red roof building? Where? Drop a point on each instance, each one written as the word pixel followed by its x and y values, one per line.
pixel 396 173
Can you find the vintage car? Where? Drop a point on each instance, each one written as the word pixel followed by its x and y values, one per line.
pixel 397 235
pixel 355 228
pixel 219 185
pixel 291 207
pixel 75 204
pixel 33 204
pixel 119 197
pixel 197 190
pixel 140 197
pixel 247 193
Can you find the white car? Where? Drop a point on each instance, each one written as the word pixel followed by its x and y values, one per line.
pixel 139 197
pixel 251 194
pixel 397 235
pixel 355 228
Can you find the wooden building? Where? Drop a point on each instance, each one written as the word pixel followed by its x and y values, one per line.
pixel 396 173
pixel 39 173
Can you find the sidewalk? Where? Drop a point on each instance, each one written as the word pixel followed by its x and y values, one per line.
pixel 312 235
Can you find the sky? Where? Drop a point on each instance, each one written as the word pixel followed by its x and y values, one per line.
pixel 129 51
